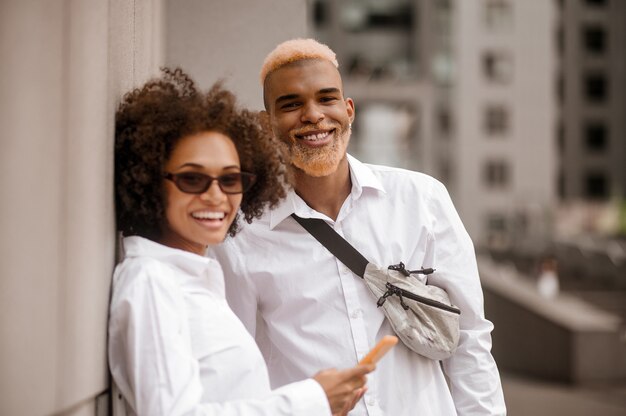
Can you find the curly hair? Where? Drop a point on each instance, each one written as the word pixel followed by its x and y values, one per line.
pixel 151 120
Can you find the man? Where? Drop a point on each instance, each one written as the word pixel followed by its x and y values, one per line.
pixel 313 312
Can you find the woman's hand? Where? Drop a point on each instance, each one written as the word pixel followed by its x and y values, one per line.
pixel 358 393
pixel 344 388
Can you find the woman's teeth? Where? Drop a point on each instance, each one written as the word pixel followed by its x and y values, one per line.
pixel 209 215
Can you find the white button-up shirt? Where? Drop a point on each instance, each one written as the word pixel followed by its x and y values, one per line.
pixel 315 313
pixel 176 348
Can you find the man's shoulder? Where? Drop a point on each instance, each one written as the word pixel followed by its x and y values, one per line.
pixel 400 179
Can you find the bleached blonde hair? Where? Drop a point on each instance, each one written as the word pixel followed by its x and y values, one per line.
pixel 296 50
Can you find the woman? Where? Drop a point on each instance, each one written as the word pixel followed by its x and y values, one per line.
pixel 185 163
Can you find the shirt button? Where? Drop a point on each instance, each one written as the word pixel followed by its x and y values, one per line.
pixel 371 401
pixel 355 313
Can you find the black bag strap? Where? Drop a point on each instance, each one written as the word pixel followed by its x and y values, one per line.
pixel 335 243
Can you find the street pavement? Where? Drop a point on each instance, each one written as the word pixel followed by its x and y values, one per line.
pixel 528 397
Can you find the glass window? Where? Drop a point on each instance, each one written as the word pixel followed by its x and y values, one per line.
pixel 595 136
pixel 497 231
pixel 596 88
pixel 596 3
pixel 498 15
pixel 496 120
pixel 498 67
pixel 497 174
pixel 594 39
pixel 444 122
pixel 320 13
pixel 596 185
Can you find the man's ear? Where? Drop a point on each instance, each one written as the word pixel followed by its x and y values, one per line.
pixel 350 108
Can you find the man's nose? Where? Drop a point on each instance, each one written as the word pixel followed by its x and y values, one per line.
pixel 311 114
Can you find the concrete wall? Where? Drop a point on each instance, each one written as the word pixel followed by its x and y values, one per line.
pixel 562 339
pixel 228 39
pixel 65 64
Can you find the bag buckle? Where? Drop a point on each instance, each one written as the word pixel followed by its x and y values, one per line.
pixel 402 269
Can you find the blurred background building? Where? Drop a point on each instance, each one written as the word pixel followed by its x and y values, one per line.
pixel 517 106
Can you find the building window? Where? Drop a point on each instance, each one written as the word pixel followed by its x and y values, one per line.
pixel 596 88
pixel 596 3
pixel 594 39
pixel 596 137
pixel 497 174
pixel 496 120
pixel 444 122
pixel 497 231
pixel 596 185
pixel 498 67
pixel 498 15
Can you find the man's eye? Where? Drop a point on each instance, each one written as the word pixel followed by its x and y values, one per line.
pixel 290 105
pixel 328 99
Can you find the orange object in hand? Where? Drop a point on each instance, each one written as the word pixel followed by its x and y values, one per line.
pixel 380 349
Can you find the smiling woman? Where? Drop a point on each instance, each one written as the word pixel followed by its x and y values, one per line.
pixel 149 124
pixel 196 215
pixel 186 162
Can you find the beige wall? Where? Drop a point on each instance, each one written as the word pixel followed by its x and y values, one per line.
pixel 65 65
pixel 228 39
pixel 528 146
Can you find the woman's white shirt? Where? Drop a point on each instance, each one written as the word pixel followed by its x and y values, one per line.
pixel 176 347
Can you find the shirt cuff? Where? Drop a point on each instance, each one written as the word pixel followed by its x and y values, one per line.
pixel 308 398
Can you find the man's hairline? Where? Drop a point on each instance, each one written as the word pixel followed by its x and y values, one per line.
pixel 299 62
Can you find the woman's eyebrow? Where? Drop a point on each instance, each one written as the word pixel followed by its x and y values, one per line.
pixel 195 165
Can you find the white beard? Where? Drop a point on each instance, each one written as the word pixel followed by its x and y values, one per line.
pixel 321 161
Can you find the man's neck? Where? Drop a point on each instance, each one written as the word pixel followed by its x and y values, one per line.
pixel 325 194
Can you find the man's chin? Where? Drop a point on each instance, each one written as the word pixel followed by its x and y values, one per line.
pixel 317 170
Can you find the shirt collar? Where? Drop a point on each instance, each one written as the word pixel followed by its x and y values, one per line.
pixel 362 178
pixel 135 246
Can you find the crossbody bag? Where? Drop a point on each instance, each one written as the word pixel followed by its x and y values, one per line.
pixel 420 314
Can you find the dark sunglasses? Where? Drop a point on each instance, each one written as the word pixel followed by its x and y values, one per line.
pixel 198 183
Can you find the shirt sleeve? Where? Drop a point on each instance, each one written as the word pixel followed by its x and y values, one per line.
pixel 153 367
pixel 471 370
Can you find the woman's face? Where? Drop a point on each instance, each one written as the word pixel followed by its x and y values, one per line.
pixel 194 221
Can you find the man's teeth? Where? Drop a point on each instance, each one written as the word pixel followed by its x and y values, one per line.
pixel 318 136
pixel 209 215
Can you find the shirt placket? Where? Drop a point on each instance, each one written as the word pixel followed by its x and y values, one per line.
pixel 357 325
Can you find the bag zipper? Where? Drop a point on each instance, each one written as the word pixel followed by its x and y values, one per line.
pixel 395 290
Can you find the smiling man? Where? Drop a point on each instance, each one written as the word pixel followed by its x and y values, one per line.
pixel 305 307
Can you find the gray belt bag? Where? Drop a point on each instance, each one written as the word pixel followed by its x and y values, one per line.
pixel 420 314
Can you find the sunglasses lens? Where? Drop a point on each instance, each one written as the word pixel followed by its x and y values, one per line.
pixel 231 183
pixel 197 183
pixel 192 182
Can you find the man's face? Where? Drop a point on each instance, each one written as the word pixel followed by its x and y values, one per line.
pixel 309 114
